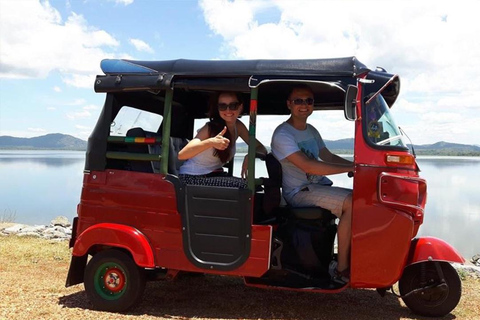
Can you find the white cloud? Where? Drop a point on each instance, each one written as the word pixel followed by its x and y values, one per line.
pixel 84 135
pixel 230 18
pixel 124 2
pixel 76 102
pixel 37 130
pixel 88 111
pixel 440 117
pixel 79 80
pixel 78 115
pixel 84 113
pixel 71 47
pixel 82 127
pixel 141 45
pixel 57 89
pixel 91 107
pixel 430 44
pixel 83 132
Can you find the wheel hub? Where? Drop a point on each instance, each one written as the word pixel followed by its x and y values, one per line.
pixel 114 280
pixel 435 295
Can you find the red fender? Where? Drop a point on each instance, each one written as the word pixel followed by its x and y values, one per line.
pixel 116 235
pixel 430 248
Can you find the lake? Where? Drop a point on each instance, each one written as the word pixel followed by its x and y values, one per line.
pixel 37 186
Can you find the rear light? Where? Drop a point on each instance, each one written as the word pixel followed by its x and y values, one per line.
pixel 405 159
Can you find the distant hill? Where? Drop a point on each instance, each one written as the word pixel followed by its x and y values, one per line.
pixel 58 141
pixel 53 141
pixel 442 148
pixel 447 149
pixel 340 146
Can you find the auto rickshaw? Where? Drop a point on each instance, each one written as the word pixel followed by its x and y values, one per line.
pixel 138 222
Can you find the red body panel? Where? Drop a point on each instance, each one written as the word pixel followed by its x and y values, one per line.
pixel 116 235
pixel 380 236
pixel 431 248
pixel 171 255
pixel 388 203
pixel 142 201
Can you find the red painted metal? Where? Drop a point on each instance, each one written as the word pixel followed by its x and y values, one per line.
pixel 142 201
pixel 253 105
pixel 171 254
pixel 116 235
pixel 431 248
pixel 388 203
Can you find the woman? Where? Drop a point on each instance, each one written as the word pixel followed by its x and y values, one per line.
pixel 214 145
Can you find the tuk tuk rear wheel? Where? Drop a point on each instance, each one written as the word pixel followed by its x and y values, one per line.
pixel 113 282
pixel 436 301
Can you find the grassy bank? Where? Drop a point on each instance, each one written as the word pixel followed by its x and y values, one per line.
pixel 33 272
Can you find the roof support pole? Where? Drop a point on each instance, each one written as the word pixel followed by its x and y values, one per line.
pixel 252 145
pixel 167 121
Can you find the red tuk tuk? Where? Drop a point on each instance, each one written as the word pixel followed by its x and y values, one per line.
pixel 137 221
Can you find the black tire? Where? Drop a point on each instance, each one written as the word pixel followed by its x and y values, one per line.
pixel 434 302
pixel 113 282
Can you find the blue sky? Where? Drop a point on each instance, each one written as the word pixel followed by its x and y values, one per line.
pixel 50 52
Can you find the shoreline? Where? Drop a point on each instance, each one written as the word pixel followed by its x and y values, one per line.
pixel 60 229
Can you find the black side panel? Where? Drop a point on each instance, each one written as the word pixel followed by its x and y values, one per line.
pixel 217 226
pixel 97 142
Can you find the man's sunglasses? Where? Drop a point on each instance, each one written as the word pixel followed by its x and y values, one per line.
pixel 231 106
pixel 299 102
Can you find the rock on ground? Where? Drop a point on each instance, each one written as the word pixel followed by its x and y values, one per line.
pixel 59 229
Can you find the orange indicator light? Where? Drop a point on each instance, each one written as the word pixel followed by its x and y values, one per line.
pixel 400 159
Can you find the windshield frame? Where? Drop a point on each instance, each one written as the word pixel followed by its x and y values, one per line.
pixel 376 121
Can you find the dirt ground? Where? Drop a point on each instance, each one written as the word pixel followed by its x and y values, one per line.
pixel 33 272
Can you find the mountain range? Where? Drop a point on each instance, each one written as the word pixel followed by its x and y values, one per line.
pixel 53 141
pixel 441 148
pixel 58 141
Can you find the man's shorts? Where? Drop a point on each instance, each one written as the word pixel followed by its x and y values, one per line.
pixel 316 195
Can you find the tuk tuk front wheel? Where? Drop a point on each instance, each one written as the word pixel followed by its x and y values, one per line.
pixel 437 299
pixel 113 282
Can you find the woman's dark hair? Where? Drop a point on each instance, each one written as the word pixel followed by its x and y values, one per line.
pixel 216 124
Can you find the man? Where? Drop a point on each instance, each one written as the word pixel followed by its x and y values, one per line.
pixel 305 161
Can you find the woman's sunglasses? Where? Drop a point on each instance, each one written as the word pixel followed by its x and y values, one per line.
pixel 299 102
pixel 231 106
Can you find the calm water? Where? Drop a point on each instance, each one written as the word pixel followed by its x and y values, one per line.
pixel 37 186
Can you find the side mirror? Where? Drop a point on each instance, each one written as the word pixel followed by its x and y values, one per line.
pixel 350 103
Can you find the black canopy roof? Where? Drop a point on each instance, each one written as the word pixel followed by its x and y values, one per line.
pixel 329 78
pixel 348 66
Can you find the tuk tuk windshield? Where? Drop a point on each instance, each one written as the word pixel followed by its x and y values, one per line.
pixel 381 128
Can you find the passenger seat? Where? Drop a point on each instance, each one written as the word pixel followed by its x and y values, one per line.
pixel 174 164
pixel 272 201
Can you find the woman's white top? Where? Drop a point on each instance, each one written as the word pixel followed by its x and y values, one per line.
pixel 205 162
